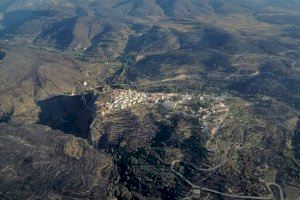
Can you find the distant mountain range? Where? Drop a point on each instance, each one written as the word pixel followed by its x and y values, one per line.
pixel 83 24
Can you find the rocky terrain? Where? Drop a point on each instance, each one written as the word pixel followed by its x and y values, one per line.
pixel 149 99
pixel 37 162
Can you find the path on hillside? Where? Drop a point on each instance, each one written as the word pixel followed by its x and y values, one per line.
pixel 294 64
pixel 197 189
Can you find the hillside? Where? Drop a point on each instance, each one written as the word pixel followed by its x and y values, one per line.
pixel 46 163
pixel 149 99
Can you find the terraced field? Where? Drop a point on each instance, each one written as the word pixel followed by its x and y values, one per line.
pixel 149 99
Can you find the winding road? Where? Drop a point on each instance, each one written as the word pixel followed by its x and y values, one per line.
pixel 294 65
pixel 196 188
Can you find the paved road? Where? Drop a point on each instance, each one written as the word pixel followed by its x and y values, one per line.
pixel 289 51
pixel 294 64
pixel 223 162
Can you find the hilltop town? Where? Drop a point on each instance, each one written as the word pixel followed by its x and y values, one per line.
pixel 210 110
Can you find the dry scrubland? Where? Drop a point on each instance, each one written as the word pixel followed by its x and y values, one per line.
pixel 145 99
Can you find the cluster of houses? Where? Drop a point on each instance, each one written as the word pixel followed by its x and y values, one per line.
pixel 121 99
pixel 216 107
pixel 213 116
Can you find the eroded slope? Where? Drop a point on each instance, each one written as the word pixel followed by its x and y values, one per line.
pixel 39 163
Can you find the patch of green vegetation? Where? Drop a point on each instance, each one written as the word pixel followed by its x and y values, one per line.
pixel 269 175
pixel 205 103
pixel 195 104
pixel 118 74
